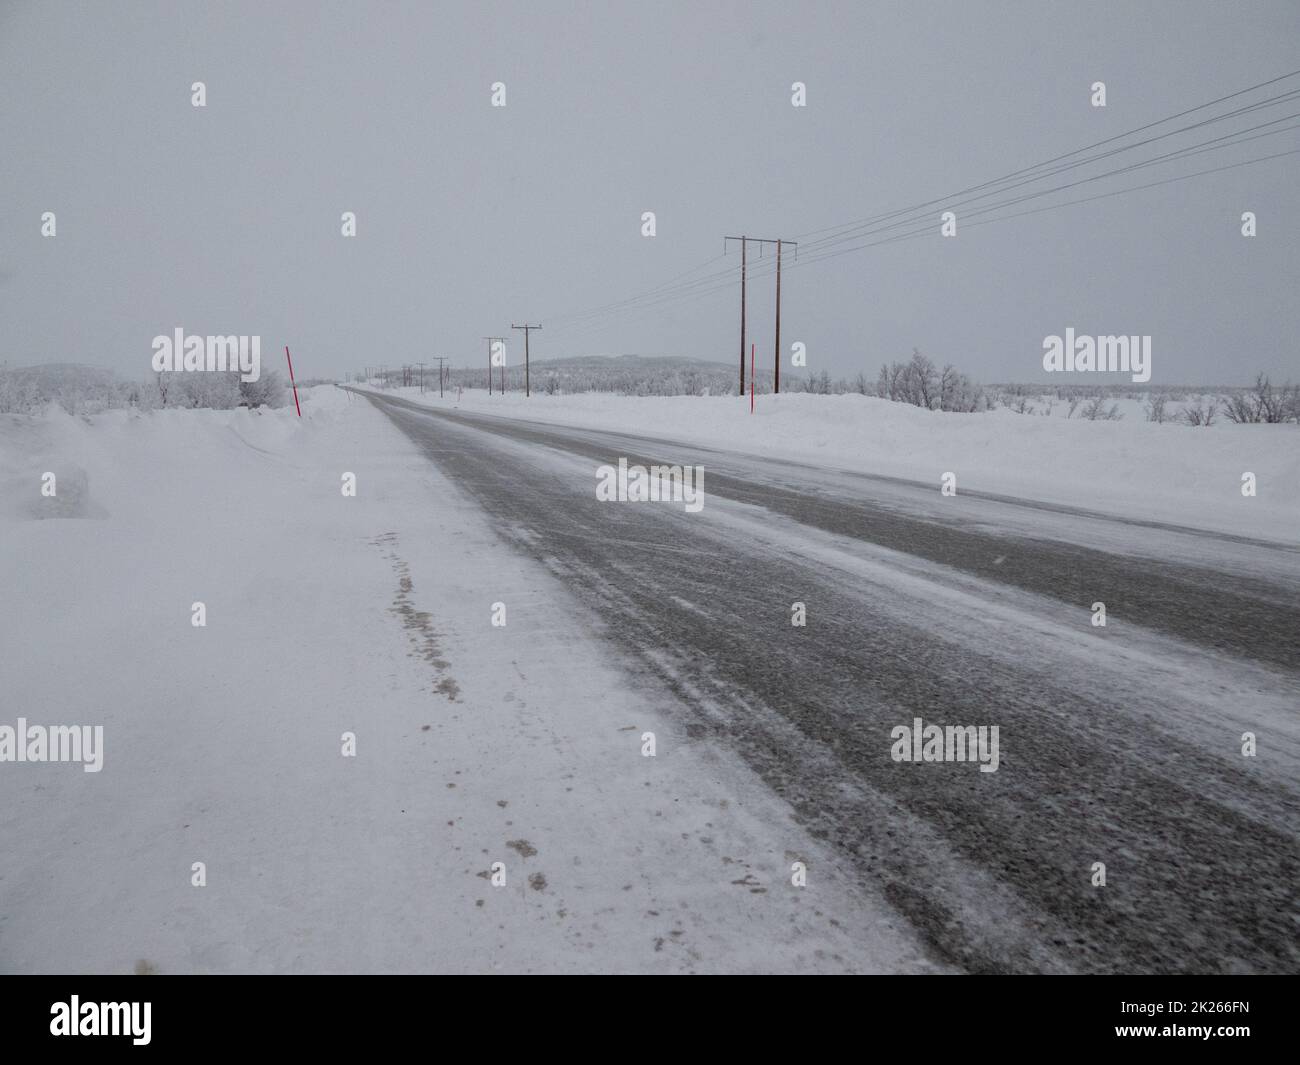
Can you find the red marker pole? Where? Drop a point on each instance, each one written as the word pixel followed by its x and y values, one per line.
pixel 751 378
pixel 291 380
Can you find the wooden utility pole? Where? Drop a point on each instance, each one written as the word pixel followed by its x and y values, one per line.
pixel 743 242
pixel 442 360
pixel 760 241
pixel 793 244
pixel 421 366
pixel 776 387
pixel 742 315
pixel 527 329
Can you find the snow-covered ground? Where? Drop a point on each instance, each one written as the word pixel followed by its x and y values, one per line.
pixel 1160 472
pixel 1126 407
pixel 371 615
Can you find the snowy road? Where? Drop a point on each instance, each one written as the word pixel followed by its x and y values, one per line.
pixel 1120 745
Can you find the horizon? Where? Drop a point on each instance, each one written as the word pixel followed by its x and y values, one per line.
pixel 1119 383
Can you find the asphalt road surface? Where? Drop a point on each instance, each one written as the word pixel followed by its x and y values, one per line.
pixel 1120 745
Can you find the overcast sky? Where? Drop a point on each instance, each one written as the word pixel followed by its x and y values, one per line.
pixel 226 219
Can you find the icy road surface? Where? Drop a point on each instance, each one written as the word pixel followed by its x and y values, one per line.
pixel 1120 745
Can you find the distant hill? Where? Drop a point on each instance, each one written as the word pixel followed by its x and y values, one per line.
pixel 634 375
pixel 56 376
pixel 633 363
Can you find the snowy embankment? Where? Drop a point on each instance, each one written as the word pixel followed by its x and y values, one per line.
pixel 371 615
pixel 1158 472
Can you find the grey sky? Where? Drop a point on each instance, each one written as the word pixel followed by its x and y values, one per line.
pixel 227 219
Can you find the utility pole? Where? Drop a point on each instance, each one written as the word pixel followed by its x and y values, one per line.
pixel 760 241
pixel 743 242
pixel 527 329
pixel 421 366
pixel 503 367
pixel 776 363
pixel 441 362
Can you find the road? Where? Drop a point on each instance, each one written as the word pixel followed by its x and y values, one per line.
pixel 1120 745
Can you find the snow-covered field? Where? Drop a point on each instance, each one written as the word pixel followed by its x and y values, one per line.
pixel 371 615
pixel 1160 472
pixel 522 745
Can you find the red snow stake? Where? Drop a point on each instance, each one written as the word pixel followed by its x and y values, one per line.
pixel 291 380
pixel 751 378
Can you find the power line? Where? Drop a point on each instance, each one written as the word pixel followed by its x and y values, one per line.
pixel 927 230
pixel 1079 151
pixel 951 201
pixel 708 286
pixel 674 289
pixel 928 227
pixel 617 303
